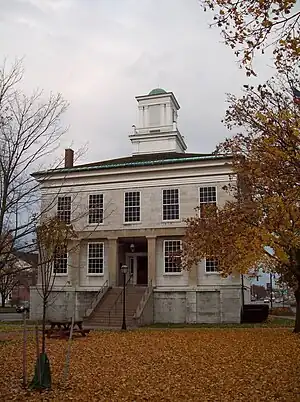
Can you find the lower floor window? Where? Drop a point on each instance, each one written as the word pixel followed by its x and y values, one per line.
pixel 95 258
pixel 60 265
pixel 211 265
pixel 172 259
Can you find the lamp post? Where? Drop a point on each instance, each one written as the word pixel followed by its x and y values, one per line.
pixel 124 270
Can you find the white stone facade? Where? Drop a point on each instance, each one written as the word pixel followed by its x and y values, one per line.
pixel 192 297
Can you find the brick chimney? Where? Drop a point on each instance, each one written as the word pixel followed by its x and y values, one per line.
pixel 69 158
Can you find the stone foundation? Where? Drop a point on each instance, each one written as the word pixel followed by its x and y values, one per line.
pixel 197 306
pixel 61 305
pixel 190 306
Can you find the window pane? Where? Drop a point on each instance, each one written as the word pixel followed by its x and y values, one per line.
pixel 211 265
pixel 60 265
pixel 95 258
pixel 208 196
pixel 132 206
pixel 170 204
pixel 64 209
pixel 96 208
pixel 172 258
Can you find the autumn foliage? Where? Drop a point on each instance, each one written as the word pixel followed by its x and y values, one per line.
pixel 260 225
pixel 169 365
pixel 251 26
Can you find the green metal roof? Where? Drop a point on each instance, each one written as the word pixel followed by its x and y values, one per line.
pixel 157 91
pixel 156 162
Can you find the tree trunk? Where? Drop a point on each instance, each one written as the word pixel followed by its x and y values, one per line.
pixel 297 321
pixel 44 327
pixel 3 298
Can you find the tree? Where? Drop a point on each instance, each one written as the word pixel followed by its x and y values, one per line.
pixel 260 224
pixel 250 26
pixel 53 242
pixel 29 130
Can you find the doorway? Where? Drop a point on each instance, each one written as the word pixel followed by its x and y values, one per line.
pixel 138 268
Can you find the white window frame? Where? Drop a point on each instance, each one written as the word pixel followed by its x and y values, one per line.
pixel 132 222
pixel 65 196
pixel 162 205
pixel 88 217
pixel 164 258
pixel 61 273
pixel 210 272
pixel 88 257
pixel 200 203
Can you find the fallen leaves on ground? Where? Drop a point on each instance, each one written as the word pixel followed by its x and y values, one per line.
pixel 163 365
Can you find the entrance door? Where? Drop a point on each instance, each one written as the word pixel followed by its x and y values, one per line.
pixel 142 270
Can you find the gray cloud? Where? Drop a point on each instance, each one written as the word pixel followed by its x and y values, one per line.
pixel 102 53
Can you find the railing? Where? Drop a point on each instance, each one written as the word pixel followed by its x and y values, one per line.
pixel 114 306
pixel 101 292
pixel 143 302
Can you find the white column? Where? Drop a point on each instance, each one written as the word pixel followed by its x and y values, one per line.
pixel 112 260
pixel 151 259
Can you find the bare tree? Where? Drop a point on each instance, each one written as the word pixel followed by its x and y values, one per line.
pixel 53 237
pixel 30 129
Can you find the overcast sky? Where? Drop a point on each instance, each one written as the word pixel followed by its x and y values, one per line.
pixel 100 54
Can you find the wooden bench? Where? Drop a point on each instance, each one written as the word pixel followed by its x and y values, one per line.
pixel 62 329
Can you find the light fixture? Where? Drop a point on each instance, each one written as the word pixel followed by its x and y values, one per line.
pixel 132 247
pixel 124 269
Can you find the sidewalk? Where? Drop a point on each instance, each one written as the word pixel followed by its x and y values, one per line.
pixel 283 317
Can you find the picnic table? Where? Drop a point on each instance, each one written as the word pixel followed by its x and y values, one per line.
pixel 62 329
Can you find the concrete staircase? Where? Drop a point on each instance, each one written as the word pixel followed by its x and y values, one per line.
pixel 109 312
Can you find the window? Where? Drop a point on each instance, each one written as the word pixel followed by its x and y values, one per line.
pixel 170 204
pixel 64 209
pixel 96 208
pixel 95 258
pixel 208 196
pixel 211 265
pixel 132 206
pixel 60 265
pixel 172 259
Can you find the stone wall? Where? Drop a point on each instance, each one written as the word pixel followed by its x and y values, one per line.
pixel 61 305
pixel 197 306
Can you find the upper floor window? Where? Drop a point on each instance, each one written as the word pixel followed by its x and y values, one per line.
pixel 132 205
pixel 96 208
pixel 208 196
pixel 95 258
pixel 64 209
pixel 170 204
pixel 60 265
pixel 172 260
pixel 211 265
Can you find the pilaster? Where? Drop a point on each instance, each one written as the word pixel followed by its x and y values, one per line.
pixel 74 263
pixel 112 246
pixel 151 240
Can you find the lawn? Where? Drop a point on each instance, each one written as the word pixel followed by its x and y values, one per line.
pixel 250 364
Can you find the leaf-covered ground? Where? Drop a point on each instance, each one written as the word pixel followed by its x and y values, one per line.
pixel 257 364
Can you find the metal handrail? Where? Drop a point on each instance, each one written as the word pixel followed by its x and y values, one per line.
pixel 96 300
pixel 114 306
pixel 143 301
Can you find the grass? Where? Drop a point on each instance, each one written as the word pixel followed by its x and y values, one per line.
pixel 255 364
pixel 272 322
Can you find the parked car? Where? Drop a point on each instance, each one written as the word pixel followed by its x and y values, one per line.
pixel 23 306
pixel 266 300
